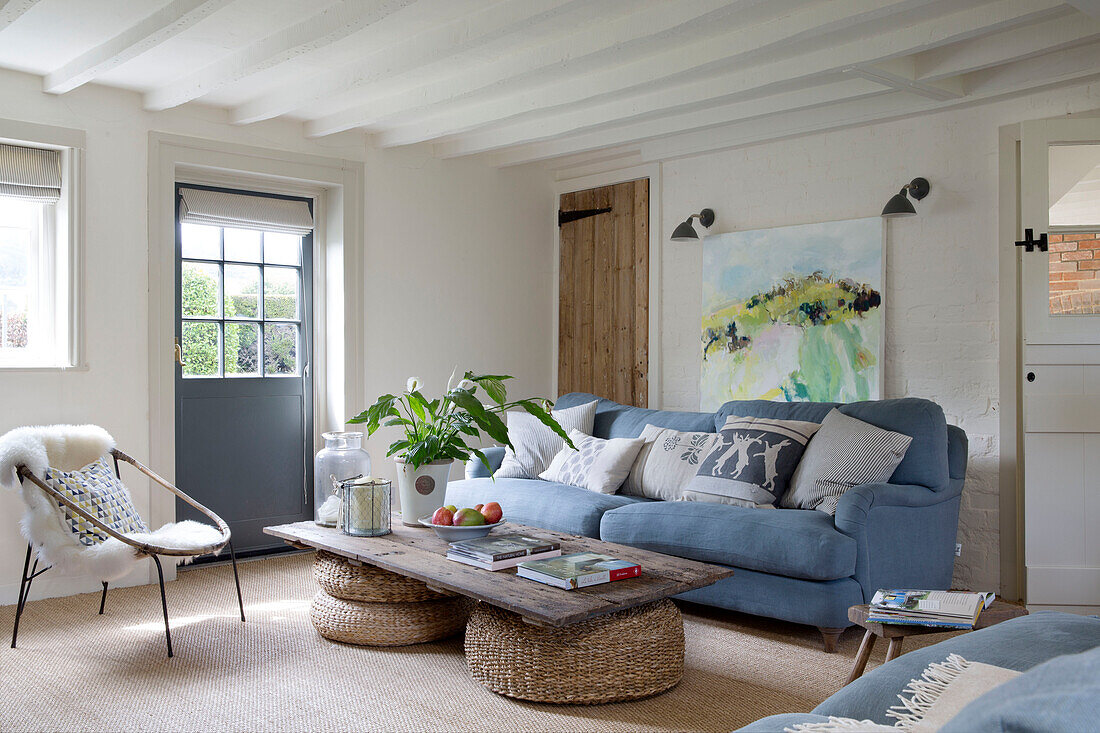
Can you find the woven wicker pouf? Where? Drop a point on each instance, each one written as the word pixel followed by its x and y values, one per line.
pixel 338 577
pixel 368 606
pixel 622 656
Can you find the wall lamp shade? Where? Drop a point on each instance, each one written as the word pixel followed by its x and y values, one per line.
pixel 685 231
pixel 899 204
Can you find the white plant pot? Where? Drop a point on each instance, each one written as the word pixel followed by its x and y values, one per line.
pixel 421 490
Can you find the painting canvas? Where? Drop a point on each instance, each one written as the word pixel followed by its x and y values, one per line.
pixel 793 313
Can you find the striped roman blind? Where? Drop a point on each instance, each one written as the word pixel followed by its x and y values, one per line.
pixel 30 173
pixel 242 211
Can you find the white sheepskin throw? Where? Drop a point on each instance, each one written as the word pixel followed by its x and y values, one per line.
pixel 69 448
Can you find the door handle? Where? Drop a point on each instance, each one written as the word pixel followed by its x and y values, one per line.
pixel 179 354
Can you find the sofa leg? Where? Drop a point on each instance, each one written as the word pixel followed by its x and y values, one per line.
pixel 829 637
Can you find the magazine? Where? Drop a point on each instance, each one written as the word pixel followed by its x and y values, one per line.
pixel 950 609
pixel 578 570
pixel 503 547
pixel 504 564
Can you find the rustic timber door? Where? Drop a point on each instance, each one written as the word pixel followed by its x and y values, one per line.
pixel 603 292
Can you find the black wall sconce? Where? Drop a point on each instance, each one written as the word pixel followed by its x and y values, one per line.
pixel 900 205
pixel 685 232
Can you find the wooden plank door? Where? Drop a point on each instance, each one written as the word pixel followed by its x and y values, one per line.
pixel 603 294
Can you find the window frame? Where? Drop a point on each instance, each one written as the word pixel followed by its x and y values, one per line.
pixel 63 302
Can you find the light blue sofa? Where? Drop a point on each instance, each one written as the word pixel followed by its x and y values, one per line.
pixel 1060 690
pixel 797 565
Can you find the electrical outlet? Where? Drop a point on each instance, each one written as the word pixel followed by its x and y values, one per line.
pixel 958 549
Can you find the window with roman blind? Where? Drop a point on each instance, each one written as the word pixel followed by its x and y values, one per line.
pixel 35 268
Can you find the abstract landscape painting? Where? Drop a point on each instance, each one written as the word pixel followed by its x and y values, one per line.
pixel 793 313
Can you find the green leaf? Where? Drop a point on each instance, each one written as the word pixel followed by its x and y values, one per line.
pixel 493 426
pixel 493 386
pixel 546 419
pixel 484 460
pixel 417 403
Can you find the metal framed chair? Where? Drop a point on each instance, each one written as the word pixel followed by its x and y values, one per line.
pixel 140 548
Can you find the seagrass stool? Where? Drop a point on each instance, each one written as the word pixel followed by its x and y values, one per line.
pixel 368 606
pixel 625 655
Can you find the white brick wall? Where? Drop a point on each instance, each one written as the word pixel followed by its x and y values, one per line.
pixel 941 291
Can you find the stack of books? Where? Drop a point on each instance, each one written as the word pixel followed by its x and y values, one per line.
pixel 946 608
pixel 578 570
pixel 498 552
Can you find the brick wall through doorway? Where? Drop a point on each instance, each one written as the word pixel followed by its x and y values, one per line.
pixel 1075 272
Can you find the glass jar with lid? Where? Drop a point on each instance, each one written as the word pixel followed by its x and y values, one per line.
pixel 341 459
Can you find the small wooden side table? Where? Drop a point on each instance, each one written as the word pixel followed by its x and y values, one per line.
pixel 896 633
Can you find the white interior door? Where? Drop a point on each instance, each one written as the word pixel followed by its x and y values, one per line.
pixel 1060 316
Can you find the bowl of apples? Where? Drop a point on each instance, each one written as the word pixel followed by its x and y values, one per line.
pixel 453 524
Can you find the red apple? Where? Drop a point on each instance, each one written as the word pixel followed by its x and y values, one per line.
pixel 492 512
pixel 443 516
pixel 478 507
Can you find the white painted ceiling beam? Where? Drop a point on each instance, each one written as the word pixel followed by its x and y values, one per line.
pixel 496 138
pixel 568 45
pixel 453 27
pixel 900 74
pixel 11 10
pixel 1076 66
pixel 1088 7
pixel 333 23
pixel 172 19
pixel 1064 31
pixel 900 41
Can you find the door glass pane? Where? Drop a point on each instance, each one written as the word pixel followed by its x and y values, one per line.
pixel 280 348
pixel 201 349
pixel 242 291
pixel 201 291
pixel 282 249
pixel 13 320
pixel 242 350
pixel 280 293
pixel 243 245
pixel 1074 180
pixel 201 242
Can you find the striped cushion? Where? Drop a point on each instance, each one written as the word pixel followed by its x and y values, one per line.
pixel 96 490
pixel 752 461
pixel 846 452
pixel 536 445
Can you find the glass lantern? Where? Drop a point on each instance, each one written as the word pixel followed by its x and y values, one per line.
pixel 341 459
pixel 365 507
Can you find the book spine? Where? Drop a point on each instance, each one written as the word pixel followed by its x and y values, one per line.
pixel 631 572
pixel 507 555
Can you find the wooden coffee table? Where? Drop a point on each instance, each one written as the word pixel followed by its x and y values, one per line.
pixel 997 612
pixel 605 643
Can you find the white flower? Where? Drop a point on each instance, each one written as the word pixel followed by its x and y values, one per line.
pixel 451 381
pixel 466 384
pixel 412 385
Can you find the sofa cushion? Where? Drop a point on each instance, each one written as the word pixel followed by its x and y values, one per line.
pixel 536 444
pixel 1061 694
pixel 792 542
pixel 553 506
pixel 596 464
pixel 925 463
pixel 667 461
pixel 622 421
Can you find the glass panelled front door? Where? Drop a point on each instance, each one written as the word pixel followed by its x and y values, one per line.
pixel 244 433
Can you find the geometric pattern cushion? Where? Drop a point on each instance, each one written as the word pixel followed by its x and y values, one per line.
pixel 96 490
pixel 596 464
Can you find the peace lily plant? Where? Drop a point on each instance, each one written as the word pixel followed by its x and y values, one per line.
pixel 439 431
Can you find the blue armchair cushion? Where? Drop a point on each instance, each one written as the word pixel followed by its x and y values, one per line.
pixel 546 504
pixel 790 542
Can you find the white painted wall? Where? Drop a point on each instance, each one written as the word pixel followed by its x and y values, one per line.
pixel 942 268
pixel 457 262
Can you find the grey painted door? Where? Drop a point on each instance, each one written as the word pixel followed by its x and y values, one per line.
pixel 244 390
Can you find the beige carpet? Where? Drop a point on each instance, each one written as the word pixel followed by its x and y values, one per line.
pixel 76 670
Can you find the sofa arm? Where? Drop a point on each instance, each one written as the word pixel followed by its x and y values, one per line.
pixel 476 469
pixel 905 535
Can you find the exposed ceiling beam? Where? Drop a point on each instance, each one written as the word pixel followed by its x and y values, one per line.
pixel 152 31
pixel 898 41
pixel 10 10
pixel 1088 7
pixel 455 32
pixel 495 138
pixel 1076 66
pixel 1004 47
pixel 331 24
pixel 900 74
pixel 543 48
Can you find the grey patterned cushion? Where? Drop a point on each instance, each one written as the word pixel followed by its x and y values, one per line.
pixel 536 445
pixel 667 462
pixel 597 464
pixel 753 462
pixel 846 452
